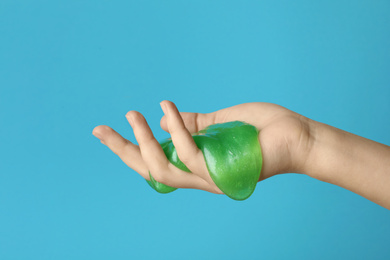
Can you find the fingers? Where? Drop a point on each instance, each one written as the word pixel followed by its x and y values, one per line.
pixel 127 151
pixel 155 159
pixel 150 148
pixel 194 122
pixel 149 156
pixel 186 148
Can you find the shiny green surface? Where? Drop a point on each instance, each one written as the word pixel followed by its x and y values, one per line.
pixel 233 157
pixel 158 186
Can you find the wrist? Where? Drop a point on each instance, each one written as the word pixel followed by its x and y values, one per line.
pixel 307 142
pixel 332 154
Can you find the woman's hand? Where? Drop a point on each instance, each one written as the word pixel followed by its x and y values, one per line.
pixel 290 143
pixel 284 137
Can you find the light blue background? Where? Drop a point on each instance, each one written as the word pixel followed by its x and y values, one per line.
pixel 67 66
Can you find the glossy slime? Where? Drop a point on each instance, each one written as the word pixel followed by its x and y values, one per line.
pixel 233 157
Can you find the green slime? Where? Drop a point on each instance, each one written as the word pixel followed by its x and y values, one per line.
pixel 233 157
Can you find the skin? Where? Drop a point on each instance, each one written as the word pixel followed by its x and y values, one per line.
pixel 290 142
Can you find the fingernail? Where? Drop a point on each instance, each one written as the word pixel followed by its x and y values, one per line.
pixel 130 119
pixel 97 135
pixel 164 107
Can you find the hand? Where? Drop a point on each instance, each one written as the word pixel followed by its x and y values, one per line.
pixel 284 138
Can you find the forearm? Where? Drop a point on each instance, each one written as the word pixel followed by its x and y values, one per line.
pixel 350 161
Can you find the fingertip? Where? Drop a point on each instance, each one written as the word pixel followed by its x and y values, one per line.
pixel 168 105
pixel 129 114
pixel 132 116
pixel 163 106
pixel 165 102
pixel 95 131
pixel 100 131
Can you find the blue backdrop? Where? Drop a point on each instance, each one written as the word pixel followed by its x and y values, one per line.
pixel 67 66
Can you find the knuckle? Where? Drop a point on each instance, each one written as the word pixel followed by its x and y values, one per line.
pixel 148 142
pixel 123 147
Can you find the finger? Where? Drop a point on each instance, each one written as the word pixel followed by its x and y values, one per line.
pixel 194 122
pixel 186 148
pixel 127 151
pixel 185 145
pixel 155 159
